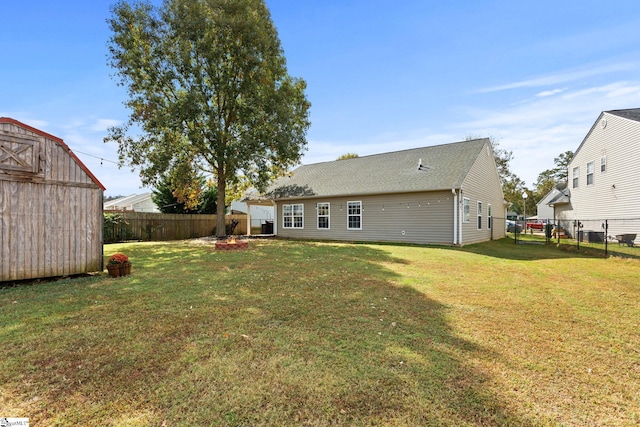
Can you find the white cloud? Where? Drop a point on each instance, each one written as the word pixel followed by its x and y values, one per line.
pixel 539 129
pixel 536 130
pixel 101 125
pixel 550 92
pixel 563 76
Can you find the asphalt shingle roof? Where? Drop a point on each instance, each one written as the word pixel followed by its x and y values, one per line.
pixel 631 113
pixel 444 167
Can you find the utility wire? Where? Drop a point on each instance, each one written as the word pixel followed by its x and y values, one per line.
pixel 102 159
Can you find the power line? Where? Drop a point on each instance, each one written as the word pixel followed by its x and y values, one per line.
pixel 102 159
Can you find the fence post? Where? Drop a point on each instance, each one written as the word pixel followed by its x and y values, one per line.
pixel 606 238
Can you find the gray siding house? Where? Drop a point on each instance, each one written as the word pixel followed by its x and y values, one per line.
pixel 603 182
pixel 447 194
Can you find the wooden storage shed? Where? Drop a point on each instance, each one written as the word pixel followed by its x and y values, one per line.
pixel 50 207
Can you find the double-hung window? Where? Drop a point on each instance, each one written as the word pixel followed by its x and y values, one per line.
pixel 590 168
pixel 603 164
pixel 479 215
pixel 576 176
pixel 466 210
pixel 489 217
pixel 323 216
pixel 354 215
pixel 293 216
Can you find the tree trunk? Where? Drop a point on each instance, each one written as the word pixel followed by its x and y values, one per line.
pixel 221 229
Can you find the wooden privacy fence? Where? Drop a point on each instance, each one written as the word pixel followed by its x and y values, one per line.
pixel 122 226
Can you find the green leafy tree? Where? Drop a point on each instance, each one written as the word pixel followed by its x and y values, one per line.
pixel 164 198
pixel 555 176
pixel 209 199
pixel 202 196
pixel 348 156
pixel 208 86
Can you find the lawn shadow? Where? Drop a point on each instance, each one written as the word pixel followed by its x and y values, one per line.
pixel 285 333
pixel 390 350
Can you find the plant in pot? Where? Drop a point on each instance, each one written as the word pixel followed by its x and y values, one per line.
pixel 118 265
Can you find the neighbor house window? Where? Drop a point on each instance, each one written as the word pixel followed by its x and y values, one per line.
pixel 576 175
pixel 489 217
pixel 323 216
pixel 354 215
pixel 465 210
pixel 479 215
pixel 590 167
pixel 603 164
pixel 293 216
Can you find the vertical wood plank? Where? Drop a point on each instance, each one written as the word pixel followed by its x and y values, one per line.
pixel 4 230
pixel 26 219
pixel 41 226
pixel 17 255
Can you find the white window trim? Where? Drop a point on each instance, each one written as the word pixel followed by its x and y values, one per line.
pixel 489 217
pixel 328 216
pixel 349 215
pixel 603 164
pixel 592 174
pixel 466 210
pixel 575 182
pixel 293 222
pixel 479 215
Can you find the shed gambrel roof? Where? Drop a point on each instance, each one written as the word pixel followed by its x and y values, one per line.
pixel 443 167
pixel 58 141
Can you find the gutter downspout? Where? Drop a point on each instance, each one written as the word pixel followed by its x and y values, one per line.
pixel 275 218
pixel 461 217
pixel 455 216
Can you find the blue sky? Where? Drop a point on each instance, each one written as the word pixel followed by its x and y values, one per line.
pixel 381 76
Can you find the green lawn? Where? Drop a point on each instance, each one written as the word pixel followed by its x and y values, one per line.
pixel 302 333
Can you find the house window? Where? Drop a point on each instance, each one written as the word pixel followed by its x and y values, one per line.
pixel 293 216
pixel 603 164
pixel 489 217
pixel 576 174
pixel 354 215
pixel 323 216
pixel 465 210
pixel 590 167
pixel 479 215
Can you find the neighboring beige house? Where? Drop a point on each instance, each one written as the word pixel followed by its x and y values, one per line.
pixel 603 180
pixel 133 203
pixel 446 194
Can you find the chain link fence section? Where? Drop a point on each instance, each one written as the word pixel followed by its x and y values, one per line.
pixel 608 232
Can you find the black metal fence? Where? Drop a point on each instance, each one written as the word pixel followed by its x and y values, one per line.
pixel 608 231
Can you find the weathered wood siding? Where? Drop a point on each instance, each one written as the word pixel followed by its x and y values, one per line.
pixel 165 227
pixel 482 184
pixel 408 217
pixel 50 209
pixel 615 193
